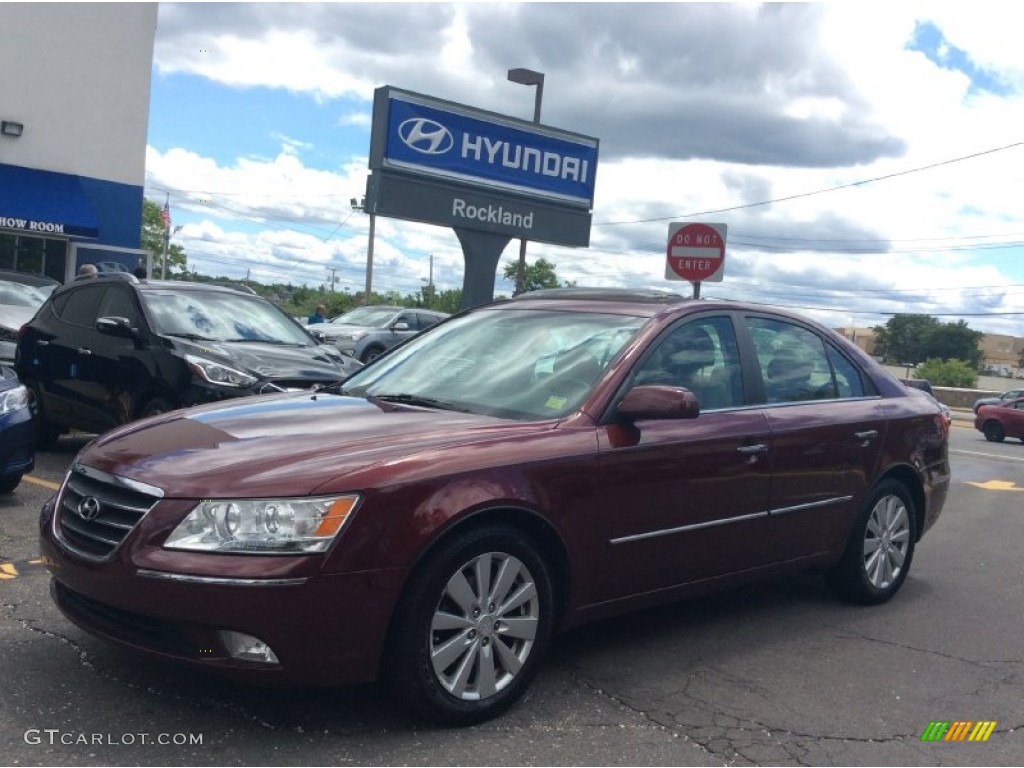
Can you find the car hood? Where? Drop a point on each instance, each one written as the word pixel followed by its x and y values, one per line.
pixel 13 316
pixel 277 362
pixel 336 329
pixel 284 445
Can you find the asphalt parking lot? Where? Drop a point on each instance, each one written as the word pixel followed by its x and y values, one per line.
pixel 779 673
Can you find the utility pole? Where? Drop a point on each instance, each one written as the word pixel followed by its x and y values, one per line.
pixel 333 278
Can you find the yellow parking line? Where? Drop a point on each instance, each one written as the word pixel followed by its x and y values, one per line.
pixel 39 481
pixel 8 571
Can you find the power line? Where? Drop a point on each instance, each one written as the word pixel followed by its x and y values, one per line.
pixel 818 191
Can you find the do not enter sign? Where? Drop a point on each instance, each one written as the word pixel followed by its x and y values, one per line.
pixel 696 252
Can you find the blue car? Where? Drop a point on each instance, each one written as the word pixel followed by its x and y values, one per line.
pixel 17 431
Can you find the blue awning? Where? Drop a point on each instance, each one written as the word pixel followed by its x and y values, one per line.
pixel 45 203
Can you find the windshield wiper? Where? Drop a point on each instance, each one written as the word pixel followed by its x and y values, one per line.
pixel 277 342
pixel 191 336
pixel 426 402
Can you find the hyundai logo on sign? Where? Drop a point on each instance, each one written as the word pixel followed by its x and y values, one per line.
pixel 462 144
pixel 426 136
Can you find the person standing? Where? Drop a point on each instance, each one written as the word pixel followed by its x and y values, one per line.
pixel 319 315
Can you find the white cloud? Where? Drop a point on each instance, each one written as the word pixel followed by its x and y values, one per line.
pixel 699 107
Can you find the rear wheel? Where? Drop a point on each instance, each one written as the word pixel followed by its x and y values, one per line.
pixel 155 406
pixel 471 629
pixel 880 549
pixel 994 432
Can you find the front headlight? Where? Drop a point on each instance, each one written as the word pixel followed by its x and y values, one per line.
pixel 216 373
pixel 352 336
pixel 13 400
pixel 263 526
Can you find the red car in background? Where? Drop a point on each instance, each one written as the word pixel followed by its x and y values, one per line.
pixel 998 422
pixel 514 471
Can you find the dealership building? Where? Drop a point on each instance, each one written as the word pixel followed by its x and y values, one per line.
pixel 74 113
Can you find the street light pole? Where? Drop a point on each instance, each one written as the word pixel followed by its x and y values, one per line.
pixel 527 77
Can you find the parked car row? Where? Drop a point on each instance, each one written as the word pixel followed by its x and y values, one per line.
pixel 113 349
pixel 510 473
pixel 365 333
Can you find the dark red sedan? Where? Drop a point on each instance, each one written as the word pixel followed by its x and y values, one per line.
pixel 516 470
pixel 1001 420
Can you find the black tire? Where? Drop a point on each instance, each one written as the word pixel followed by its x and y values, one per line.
pixel 994 432
pixel 8 485
pixel 371 353
pixel 880 549
pixel 155 406
pixel 47 433
pixel 498 663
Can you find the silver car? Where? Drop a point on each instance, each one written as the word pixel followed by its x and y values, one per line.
pixel 20 296
pixel 367 332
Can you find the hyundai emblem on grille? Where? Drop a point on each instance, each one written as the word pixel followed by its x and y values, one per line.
pixel 89 508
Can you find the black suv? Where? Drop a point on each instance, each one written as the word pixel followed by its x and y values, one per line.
pixel 111 349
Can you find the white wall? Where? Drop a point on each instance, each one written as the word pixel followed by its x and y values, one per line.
pixel 78 76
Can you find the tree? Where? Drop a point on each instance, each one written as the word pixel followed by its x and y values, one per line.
pixel 948 373
pixel 540 274
pixel 902 339
pixel 955 341
pixel 153 240
pixel 909 339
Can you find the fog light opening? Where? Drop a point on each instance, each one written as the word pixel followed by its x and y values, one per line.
pixel 246 647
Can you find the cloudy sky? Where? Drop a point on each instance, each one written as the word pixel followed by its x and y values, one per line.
pixel 867 158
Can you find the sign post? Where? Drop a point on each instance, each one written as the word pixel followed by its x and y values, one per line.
pixel 696 252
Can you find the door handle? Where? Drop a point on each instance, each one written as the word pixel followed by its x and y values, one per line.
pixel 866 437
pixel 84 351
pixel 751 452
pixel 43 343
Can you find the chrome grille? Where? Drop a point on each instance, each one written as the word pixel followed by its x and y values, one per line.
pixel 98 510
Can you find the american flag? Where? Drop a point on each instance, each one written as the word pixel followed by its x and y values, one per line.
pixel 165 214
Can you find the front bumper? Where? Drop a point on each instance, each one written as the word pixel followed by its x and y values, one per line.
pixel 324 629
pixel 17 446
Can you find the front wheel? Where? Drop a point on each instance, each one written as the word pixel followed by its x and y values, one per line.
pixel 8 485
pixel 994 432
pixel 371 353
pixel 472 628
pixel 47 433
pixel 881 547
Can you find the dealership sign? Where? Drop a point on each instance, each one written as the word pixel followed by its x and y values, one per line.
pixel 450 142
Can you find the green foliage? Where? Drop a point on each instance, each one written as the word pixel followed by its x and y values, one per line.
pixel 909 339
pixel 948 373
pixel 540 274
pixel 153 240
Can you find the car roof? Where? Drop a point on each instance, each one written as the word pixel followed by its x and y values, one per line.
pixel 26 278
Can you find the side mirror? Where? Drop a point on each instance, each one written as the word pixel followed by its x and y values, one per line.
pixel 658 401
pixel 401 325
pixel 116 326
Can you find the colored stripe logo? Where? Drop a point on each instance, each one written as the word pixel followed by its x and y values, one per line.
pixel 958 730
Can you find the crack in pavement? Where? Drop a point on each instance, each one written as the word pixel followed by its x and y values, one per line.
pixel 85 661
pixel 932 652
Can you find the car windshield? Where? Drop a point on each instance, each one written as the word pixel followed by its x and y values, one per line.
pixel 516 364
pixel 222 316
pixel 369 317
pixel 21 295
